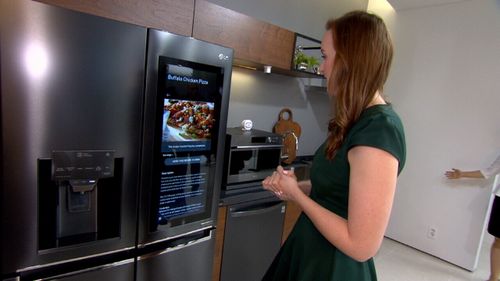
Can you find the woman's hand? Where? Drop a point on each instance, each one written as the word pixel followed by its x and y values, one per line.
pixel 283 183
pixel 453 174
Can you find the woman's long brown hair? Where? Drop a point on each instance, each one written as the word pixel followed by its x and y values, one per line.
pixel 362 62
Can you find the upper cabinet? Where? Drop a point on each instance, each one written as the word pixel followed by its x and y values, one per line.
pixel 175 16
pixel 253 41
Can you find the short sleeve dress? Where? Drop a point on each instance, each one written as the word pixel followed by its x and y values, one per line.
pixel 307 255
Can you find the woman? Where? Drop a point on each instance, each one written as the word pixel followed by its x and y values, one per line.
pixel 494 223
pixel 347 203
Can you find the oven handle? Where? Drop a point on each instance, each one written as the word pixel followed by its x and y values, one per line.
pixel 259 146
pixel 235 213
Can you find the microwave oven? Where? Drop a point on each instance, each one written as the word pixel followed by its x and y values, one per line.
pixel 250 156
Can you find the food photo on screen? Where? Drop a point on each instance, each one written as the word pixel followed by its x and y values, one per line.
pixel 186 120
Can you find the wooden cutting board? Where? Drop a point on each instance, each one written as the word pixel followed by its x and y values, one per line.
pixel 287 128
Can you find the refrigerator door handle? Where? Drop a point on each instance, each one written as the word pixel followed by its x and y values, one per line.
pixel 244 212
pixel 90 269
pixel 176 247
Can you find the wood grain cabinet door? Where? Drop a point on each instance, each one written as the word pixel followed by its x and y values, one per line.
pixel 175 16
pixel 252 40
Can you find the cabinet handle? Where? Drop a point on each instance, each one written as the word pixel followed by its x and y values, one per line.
pixel 250 212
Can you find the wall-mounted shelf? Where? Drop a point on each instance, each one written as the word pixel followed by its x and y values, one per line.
pixel 276 70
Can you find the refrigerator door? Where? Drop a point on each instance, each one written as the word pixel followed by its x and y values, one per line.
pixel 71 109
pixel 187 95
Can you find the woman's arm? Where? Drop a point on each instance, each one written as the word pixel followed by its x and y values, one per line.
pixel 305 186
pixel 489 172
pixel 371 191
pixel 456 174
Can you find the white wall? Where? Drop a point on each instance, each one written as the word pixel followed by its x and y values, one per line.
pixel 445 84
pixel 305 17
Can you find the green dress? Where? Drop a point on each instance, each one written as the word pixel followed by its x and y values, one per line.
pixel 306 254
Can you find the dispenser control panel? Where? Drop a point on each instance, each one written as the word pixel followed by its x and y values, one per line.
pixel 82 164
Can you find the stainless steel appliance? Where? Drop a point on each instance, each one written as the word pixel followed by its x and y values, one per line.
pixel 252 238
pixel 90 180
pixel 187 96
pixel 255 217
pixel 250 156
pixel 71 109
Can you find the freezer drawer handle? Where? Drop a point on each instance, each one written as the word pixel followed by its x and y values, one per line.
pixel 245 212
pixel 91 269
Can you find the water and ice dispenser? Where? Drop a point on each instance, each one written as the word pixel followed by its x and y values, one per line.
pixel 79 196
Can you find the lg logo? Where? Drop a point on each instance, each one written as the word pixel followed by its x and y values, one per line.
pixel 223 57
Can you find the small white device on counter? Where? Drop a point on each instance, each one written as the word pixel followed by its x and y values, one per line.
pixel 246 125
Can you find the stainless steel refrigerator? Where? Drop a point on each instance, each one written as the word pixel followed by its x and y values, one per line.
pixel 71 110
pixel 187 96
pixel 82 147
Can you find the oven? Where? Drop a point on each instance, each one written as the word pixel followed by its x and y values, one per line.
pixel 250 156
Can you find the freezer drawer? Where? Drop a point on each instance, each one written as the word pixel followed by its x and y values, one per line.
pixel 192 260
pixel 252 238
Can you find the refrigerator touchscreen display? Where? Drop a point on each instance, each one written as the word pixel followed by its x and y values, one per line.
pixel 189 97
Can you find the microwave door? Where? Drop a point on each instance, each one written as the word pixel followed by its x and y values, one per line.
pixel 252 163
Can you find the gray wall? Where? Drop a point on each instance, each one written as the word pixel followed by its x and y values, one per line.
pixel 260 97
pixel 305 17
pixel 445 85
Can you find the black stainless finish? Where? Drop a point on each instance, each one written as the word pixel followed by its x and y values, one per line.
pixel 170 46
pixel 252 238
pixel 185 258
pixel 76 121
pixel 249 157
pixel 113 266
pixel 69 82
pixel 253 138
pixel 123 271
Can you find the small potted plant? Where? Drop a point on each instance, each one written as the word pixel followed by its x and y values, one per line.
pixel 306 63
pixel 313 64
pixel 301 61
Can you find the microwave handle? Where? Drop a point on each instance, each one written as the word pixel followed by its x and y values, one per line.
pixel 259 146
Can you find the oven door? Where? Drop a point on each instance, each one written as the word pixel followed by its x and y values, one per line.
pixel 252 163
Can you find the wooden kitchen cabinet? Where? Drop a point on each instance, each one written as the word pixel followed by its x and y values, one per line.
pixel 219 242
pixel 174 16
pixel 253 41
pixel 256 43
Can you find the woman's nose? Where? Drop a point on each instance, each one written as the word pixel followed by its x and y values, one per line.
pixel 321 68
